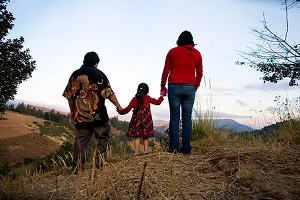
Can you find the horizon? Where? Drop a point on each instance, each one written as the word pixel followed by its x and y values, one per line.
pixel 155 121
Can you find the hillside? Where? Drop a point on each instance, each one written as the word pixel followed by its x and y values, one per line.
pixel 20 138
pixel 217 168
pixel 14 125
pixel 230 171
pixel 18 141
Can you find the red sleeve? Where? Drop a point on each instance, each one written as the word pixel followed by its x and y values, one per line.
pixel 166 70
pixel 156 101
pixel 128 108
pixel 199 72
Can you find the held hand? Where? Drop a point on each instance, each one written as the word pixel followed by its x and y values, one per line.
pixel 164 92
pixel 119 109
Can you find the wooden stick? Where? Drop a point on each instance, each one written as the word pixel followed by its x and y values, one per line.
pixel 140 188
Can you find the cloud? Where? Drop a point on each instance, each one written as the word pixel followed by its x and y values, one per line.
pixel 280 86
pixel 220 87
pixel 219 115
pixel 243 104
pixel 231 116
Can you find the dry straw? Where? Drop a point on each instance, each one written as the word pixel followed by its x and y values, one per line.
pixel 252 171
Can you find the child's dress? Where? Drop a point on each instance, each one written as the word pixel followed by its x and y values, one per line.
pixel 141 124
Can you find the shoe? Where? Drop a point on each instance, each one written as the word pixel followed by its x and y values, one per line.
pixel 136 154
pixel 146 152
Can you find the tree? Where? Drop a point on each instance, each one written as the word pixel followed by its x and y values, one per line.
pixel 275 57
pixel 16 65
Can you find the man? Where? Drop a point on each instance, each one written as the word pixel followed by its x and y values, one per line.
pixel 87 89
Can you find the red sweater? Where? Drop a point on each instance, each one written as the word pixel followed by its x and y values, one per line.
pixel 134 103
pixel 183 65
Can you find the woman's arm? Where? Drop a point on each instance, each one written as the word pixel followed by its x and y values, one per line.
pixel 165 73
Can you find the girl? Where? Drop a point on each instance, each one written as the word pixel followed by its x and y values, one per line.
pixel 141 124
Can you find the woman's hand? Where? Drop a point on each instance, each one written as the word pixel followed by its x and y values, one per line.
pixel 163 91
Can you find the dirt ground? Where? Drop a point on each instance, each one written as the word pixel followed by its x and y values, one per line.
pixel 13 125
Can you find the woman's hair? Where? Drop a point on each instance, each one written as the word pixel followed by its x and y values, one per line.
pixel 142 90
pixel 185 38
pixel 91 58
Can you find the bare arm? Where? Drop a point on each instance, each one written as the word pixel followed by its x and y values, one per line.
pixel 115 101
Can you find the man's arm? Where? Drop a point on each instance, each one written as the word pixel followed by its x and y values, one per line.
pixel 115 101
pixel 72 109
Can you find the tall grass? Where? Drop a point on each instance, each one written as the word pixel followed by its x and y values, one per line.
pixel 288 115
pixel 204 131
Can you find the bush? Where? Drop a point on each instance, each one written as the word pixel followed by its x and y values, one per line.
pixel 28 160
pixel 5 167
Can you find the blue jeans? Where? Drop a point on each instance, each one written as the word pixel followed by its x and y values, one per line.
pixel 180 95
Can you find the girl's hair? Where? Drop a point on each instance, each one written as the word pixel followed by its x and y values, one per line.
pixel 142 90
pixel 91 58
pixel 185 38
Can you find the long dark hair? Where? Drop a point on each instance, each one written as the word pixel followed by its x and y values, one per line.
pixel 142 90
pixel 185 38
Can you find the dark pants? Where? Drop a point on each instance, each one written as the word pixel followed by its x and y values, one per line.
pixel 180 95
pixel 82 140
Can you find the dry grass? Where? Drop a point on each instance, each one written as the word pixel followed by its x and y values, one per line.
pixel 31 145
pixel 231 171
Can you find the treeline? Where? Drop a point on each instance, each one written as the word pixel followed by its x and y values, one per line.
pixel 120 125
pixel 31 110
pixel 58 117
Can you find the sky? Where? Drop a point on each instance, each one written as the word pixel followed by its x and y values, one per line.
pixel 132 39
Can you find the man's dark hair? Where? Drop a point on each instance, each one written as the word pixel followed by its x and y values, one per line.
pixel 91 58
pixel 185 38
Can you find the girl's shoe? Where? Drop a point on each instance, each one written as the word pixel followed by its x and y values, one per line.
pixel 136 154
pixel 146 152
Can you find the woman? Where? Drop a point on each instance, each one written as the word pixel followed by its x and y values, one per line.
pixel 183 69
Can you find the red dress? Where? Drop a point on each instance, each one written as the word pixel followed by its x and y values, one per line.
pixel 141 124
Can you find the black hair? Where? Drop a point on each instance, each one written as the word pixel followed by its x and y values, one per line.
pixel 142 90
pixel 91 58
pixel 185 38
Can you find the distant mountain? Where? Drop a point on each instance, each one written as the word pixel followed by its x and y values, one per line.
pixel 228 125
pixel 232 126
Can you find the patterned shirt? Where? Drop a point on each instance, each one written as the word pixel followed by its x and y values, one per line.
pixel 86 91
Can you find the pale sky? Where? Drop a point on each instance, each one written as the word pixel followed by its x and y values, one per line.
pixel 132 38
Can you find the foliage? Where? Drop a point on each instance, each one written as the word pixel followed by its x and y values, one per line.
pixel 51 116
pixel 120 125
pixel 16 65
pixel 5 167
pixel 275 57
